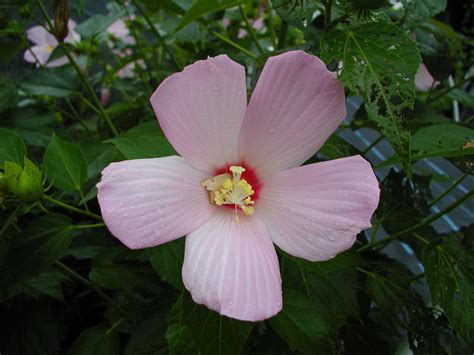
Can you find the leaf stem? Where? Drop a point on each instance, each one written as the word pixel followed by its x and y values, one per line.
pixel 90 285
pixel 71 208
pixel 426 221
pixel 282 34
pixel 10 220
pixel 157 34
pixel 233 44
pixel 448 190
pixel 87 226
pixel 250 29
pixel 76 67
pixel 448 90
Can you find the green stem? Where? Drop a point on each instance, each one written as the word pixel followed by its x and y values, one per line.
pixel 233 44
pixel 448 190
pixel 90 285
pixel 71 208
pixel 88 226
pixel 76 115
pixel 10 220
pixel 250 29
pixel 271 27
pixel 448 90
pixel 76 67
pixel 373 144
pixel 426 221
pixel 327 13
pixel 282 35
pixel 157 34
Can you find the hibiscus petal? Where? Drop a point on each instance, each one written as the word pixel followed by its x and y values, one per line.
pixel 315 211
pixel 201 110
pixel 147 202
pixel 38 35
pixel 41 55
pixel 296 105
pixel 232 267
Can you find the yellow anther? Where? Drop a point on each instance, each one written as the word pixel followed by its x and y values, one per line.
pixel 231 190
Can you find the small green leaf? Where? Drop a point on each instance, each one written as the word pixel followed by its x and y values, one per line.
pixel 442 140
pixel 56 82
pixel 98 340
pixel 194 329
pixel 35 248
pixel 379 63
pixel 204 7
pixel 12 148
pixel 167 260
pixel 143 141
pixel 64 164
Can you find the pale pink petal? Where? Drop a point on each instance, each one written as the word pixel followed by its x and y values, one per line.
pixel 58 62
pixel 423 79
pixel 296 105
pixel 315 211
pixel 201 110
pixel 259 23
pixel 147 202
pixel 232 267
pixel 73 36
pixel 42 54
pixel 38 35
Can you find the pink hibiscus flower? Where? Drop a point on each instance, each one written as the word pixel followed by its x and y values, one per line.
pixel 46 43
pixel 237 187
pixel 119 30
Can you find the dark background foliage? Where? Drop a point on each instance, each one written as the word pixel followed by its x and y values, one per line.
pixel 68 286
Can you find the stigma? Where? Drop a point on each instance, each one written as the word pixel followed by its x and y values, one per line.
pixel 226 189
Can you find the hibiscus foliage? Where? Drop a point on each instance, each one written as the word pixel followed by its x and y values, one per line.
pixel 76 78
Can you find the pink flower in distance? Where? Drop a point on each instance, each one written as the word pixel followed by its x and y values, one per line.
pixel 119 30
pixel 423 79
pixel 45 43
pixel 238 187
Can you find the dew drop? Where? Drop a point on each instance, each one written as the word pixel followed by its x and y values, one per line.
pixel 215 88
pixel 271 130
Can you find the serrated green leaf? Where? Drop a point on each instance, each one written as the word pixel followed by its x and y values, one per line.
pixel 204 7
pixel 98 340
pixel 64 164
pixel 143 141
pixel 379 63
pixel 12 148
pixel 35 248
pixel 451 284
pixel 167 260
pixel 204 330
pixel 419 10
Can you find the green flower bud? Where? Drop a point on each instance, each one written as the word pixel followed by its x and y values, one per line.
pixel 25 183
pixel 61 11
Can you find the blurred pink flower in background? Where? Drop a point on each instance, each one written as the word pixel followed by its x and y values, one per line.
pixel 45 43
pixel 119 30
pixel 423 79
pixel 238 186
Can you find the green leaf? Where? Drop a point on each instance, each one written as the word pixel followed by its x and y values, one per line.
pixel 148 338
pixel 8 93
pixel 98 156
pixel 167 260
pixel 419 10
pixel 443 140
pixel 12 148
pixel 194 329
pixel 64 164
pixel 295 11
pixel 203 7
pixel 302 325
pixel 449 276
pixel 98 340
pixel 56 82
pixel 462 96
pixel 143 141
pixel 35 248
pixel 379 63
pixel 97 24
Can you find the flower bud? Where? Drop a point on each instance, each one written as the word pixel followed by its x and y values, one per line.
pixel 25 183
pixel 61 11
